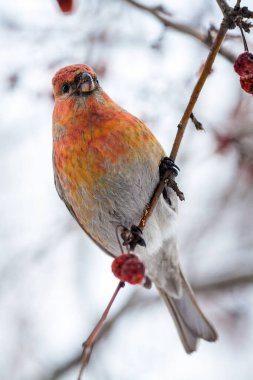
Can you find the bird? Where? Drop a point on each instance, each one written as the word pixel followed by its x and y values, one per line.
pixel 106 168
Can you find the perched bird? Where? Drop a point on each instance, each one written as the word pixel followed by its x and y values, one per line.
pixel 106 167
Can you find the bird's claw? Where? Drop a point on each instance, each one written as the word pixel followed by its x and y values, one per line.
pixel 132 237
pixel 168 164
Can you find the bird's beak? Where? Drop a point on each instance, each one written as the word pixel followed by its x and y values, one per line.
pixel 86 83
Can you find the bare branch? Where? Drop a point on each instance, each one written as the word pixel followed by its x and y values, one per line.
pixel 133 302
pixel 169 175
pixel 137 300
pixel 238 4
pixel 225 8
pixel 197 89
pixel 225 283
pixel 89 343
pixel 198 125
pixel 164 18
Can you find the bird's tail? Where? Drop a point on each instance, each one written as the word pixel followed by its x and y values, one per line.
pixel 190 321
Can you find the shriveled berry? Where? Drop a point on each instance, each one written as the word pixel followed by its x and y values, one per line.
pixel 247 84
pixel 66 6
pixel 244 64
pixel 128 268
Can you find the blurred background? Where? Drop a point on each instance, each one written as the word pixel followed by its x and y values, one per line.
pixel 55 282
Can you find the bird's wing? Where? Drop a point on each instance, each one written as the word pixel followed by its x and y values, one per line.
pixel 61 194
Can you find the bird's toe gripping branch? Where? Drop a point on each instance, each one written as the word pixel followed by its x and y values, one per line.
pixel 168 164
pixel 168 170
pixel 132 237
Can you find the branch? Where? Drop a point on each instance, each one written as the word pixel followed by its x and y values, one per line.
pixel 136 301
pixel 235 16
pixel 133 302
pixel 197 89
pixel 224 7
pixel 169 174
pixel 89 343
pixel 225 283
pixel 168 178
pixel 163 16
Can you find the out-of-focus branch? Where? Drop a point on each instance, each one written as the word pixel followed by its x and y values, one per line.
pixel 225 283
pixel 164 17
pixel 133 302
pixel 64 368
pixel 137 300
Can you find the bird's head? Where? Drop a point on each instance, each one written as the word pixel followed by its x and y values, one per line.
pixel 75 80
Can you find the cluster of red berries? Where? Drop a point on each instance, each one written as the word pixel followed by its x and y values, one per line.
pixel 128 268
pixel 244 67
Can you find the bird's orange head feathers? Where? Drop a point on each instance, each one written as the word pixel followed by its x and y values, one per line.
pixel 73 79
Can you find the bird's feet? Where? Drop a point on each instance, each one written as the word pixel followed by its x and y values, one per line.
pixel 168 164
pixel 132 237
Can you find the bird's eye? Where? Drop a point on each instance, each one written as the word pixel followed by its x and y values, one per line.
pixel 65 88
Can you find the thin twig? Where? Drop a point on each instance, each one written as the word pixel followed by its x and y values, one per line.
pixel 244 39
pixel 236 13
pixel 198 125
pixel 134 301
pixel 237 5
pixel 89 343
pixel 182 125
pixel 235 16
pixel 197 89
pixel 224 7
pixel 181 28
pixel 225 283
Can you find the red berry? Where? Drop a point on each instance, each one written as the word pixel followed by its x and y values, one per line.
pixel 247 84
pixel 128 268
pixel 66 5
pixel 244 64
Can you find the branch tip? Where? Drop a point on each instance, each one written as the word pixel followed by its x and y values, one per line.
pixel 198 125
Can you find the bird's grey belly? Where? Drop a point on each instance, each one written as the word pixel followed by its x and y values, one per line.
pixel 120 198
